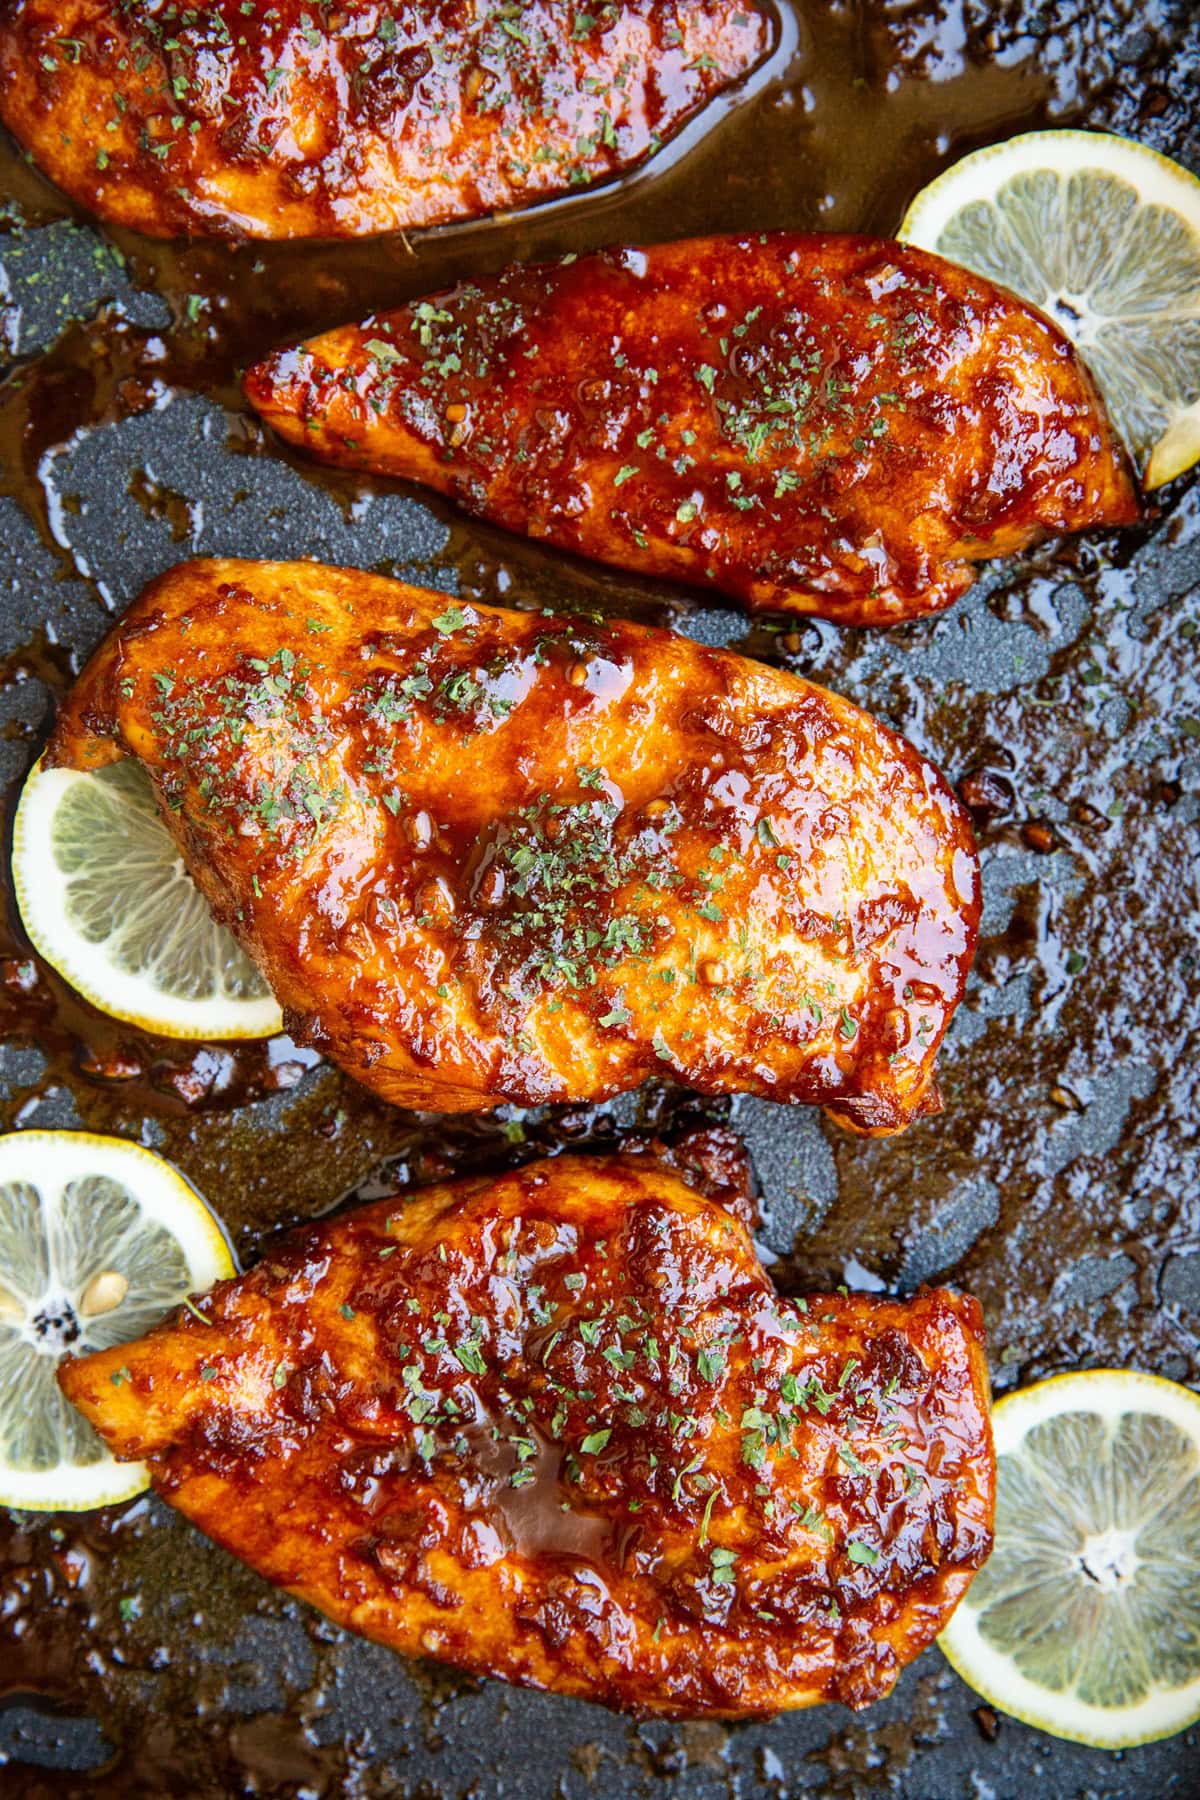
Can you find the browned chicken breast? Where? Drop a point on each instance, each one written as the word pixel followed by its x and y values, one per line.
pixel 558 1427
pixel 489 856
pixel 303 120
pixel 829 425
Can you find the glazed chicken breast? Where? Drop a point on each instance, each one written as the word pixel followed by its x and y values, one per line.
pixel 558 1427
pixel 295 120
pixel 831 425
pixel 487 856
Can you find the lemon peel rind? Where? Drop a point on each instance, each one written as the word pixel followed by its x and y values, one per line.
pixel 166 1198
pixel 1163 1713
pixel 1158 181
pixel 131 999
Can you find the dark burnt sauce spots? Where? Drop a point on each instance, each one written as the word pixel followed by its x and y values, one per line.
pixel 1054 1186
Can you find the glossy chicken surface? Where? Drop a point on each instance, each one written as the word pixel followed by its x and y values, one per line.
pixel 295 120
pixel 556 1426
pixel 832 425
pixel 488 856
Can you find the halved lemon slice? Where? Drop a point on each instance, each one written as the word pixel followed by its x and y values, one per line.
pixel 105 898
pixel 98 1239
pixel 1086 1619
pixel 1104 236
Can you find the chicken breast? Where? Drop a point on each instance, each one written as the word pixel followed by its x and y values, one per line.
pixel 295 120
pixel 488 856
pixel 557 1427
pixel 831 425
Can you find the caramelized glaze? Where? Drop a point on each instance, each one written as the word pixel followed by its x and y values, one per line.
pixel 558 1427
pixel 488 856
pixel 295 120
pixel 841 426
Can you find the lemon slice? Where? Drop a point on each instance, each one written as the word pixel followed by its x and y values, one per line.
pixel 105 898
pixel 1086 1619
pixel 98 1239
pixel 1104 236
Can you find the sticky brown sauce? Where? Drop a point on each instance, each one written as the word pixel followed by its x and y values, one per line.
pixel 1059 1185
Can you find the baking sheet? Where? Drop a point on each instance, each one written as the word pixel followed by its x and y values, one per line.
pixel 1061 1184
